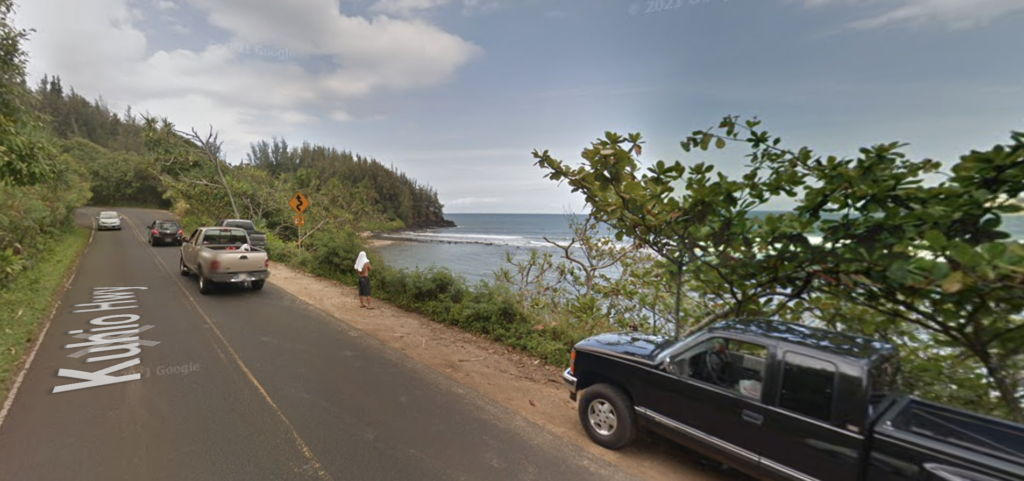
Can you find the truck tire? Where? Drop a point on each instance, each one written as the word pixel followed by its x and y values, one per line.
pixel 182 269
pixel 607 416
pixel 205 286
pixel 257 285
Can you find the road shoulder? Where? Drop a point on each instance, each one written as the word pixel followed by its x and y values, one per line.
pixel 512 379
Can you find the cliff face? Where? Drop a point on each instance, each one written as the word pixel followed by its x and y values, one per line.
pixel 433 224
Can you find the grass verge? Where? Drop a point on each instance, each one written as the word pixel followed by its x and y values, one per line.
pixel 29 299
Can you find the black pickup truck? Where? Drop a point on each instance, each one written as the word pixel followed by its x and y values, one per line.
pixel 258 239
pixel 784 401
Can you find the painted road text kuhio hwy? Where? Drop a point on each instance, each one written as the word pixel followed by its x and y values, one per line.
pixel 114 329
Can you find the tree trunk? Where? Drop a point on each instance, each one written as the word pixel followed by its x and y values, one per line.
pixel 224 182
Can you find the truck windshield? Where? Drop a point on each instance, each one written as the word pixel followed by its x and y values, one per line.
pixel 241 224
pixel 224 236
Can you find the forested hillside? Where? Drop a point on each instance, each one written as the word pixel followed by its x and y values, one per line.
pixel 60 150
pixel 130 168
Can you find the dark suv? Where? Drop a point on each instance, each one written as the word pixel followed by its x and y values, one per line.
pixel 165 232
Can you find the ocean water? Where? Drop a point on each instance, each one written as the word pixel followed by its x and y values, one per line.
pixel 476 248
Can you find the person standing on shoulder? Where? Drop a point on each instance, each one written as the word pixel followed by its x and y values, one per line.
pixel 363 266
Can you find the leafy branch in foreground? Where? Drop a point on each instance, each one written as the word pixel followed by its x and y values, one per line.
pixel 929 256
pixel 594 283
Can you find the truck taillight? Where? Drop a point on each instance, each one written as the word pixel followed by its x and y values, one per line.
pixel 214 265
pixel 266 263
pixel 572 362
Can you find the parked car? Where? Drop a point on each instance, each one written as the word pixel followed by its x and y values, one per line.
pixel 223 255
pixel 783 401
pixel 258 239
pixel 108 220
pixel 165 232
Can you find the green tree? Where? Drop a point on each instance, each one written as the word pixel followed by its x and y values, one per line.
pixel 25 157
pixel 928 256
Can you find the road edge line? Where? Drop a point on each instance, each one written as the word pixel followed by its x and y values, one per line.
pixel 304 448
pixel 39 341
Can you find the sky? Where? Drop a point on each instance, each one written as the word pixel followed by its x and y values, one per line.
pixel 457 94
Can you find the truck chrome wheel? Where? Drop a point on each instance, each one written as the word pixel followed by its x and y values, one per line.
pixel 607 415
pixel 602 417
pixel 204 285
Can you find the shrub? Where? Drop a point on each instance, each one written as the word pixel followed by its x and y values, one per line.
pixel 281 251
pixel 333 253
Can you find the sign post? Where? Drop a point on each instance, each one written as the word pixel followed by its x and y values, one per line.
pixel 299 203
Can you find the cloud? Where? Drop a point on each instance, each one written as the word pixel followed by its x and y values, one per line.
pixel 592 91
pixel 410 8
pixel 955 14
pixel 166 5
pixel 256 84
pixel 341 116
pixel 474 201
pixel 406 7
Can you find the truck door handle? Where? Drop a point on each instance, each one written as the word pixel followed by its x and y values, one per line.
pixel 244 257
pixel 752 417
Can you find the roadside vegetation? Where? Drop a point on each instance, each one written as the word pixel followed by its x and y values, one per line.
pixel 29 300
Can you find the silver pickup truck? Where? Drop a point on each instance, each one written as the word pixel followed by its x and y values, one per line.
pixel 223 255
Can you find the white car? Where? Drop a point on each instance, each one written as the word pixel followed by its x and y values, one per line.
pixel 108 220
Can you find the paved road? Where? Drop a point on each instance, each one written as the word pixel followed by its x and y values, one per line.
pixel 245 385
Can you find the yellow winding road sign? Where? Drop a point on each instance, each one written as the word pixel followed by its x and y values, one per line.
pixel 299 203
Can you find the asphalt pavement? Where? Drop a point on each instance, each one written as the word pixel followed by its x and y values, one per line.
pixel 244 385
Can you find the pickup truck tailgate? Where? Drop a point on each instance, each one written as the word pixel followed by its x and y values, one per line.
pixel 237 261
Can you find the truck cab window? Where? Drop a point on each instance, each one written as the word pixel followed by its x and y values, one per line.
pixel 735 365
pixel 808 386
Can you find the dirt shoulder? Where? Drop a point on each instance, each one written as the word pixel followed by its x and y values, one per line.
pixel 516 381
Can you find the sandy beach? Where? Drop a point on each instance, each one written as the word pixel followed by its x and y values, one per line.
pixel 374 242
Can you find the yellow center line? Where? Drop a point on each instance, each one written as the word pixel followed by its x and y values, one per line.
pixel 303 447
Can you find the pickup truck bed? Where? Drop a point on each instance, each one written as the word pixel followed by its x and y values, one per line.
pixel 222 255
pixel 947 443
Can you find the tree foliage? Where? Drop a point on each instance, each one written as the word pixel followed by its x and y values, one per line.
pixel 359 183
pixel 927 257
pixel 25 157
pixel 594 282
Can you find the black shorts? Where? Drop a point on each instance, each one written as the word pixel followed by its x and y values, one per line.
pixel 364 286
